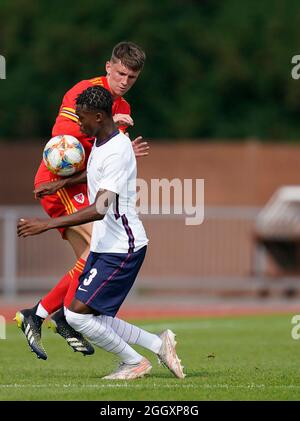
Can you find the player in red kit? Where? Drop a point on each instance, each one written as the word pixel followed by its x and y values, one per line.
pixel 62 196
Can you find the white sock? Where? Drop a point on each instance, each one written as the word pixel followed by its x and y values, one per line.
pixel 132 334
pixel 102 336
pixel 41 311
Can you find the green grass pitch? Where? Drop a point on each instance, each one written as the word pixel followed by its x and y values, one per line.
pixel 232 358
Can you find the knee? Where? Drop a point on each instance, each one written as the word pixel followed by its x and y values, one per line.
pixel 76 320
pixel 79 307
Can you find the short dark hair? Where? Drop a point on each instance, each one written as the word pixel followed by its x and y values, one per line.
pixel 96 98
pixel 130 55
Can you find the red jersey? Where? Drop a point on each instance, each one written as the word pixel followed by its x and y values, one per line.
pixel 67 122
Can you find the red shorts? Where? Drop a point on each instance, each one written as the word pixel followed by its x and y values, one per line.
pixel 65 202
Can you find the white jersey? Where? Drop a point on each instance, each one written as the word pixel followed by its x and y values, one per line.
pixel 112 166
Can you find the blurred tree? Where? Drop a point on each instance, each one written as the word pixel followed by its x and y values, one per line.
pixel 215 69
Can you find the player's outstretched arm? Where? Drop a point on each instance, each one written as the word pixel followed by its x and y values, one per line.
pixel 52 187
pixel 94 212
pixel 121 120
pixel 140 146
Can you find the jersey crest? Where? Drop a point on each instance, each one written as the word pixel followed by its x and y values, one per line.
pixel 79 198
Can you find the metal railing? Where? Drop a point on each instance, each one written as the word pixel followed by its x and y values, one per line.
pixel 219 250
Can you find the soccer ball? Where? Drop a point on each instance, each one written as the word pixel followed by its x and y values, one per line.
pixel 64 155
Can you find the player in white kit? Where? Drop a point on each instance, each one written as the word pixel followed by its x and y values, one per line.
pixel 118 245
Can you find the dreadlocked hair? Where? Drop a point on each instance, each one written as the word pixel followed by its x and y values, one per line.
pixel 96 98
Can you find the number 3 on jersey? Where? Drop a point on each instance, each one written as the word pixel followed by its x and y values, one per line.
pixel 93 273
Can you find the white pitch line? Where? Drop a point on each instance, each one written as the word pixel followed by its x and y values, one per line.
pixel 151 386
pixel 192 325
pixel 96 386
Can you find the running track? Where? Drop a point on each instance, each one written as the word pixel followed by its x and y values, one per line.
pixel 163 310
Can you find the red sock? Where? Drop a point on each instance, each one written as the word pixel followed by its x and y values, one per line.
pixel 77 271
pixel 55 298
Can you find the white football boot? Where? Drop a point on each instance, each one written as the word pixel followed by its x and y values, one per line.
pixel 167 354
pixel 130 371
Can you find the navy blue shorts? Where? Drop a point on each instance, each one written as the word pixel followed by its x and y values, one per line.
pixel 107 279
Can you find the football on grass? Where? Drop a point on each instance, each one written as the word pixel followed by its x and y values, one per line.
pixel 64 155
